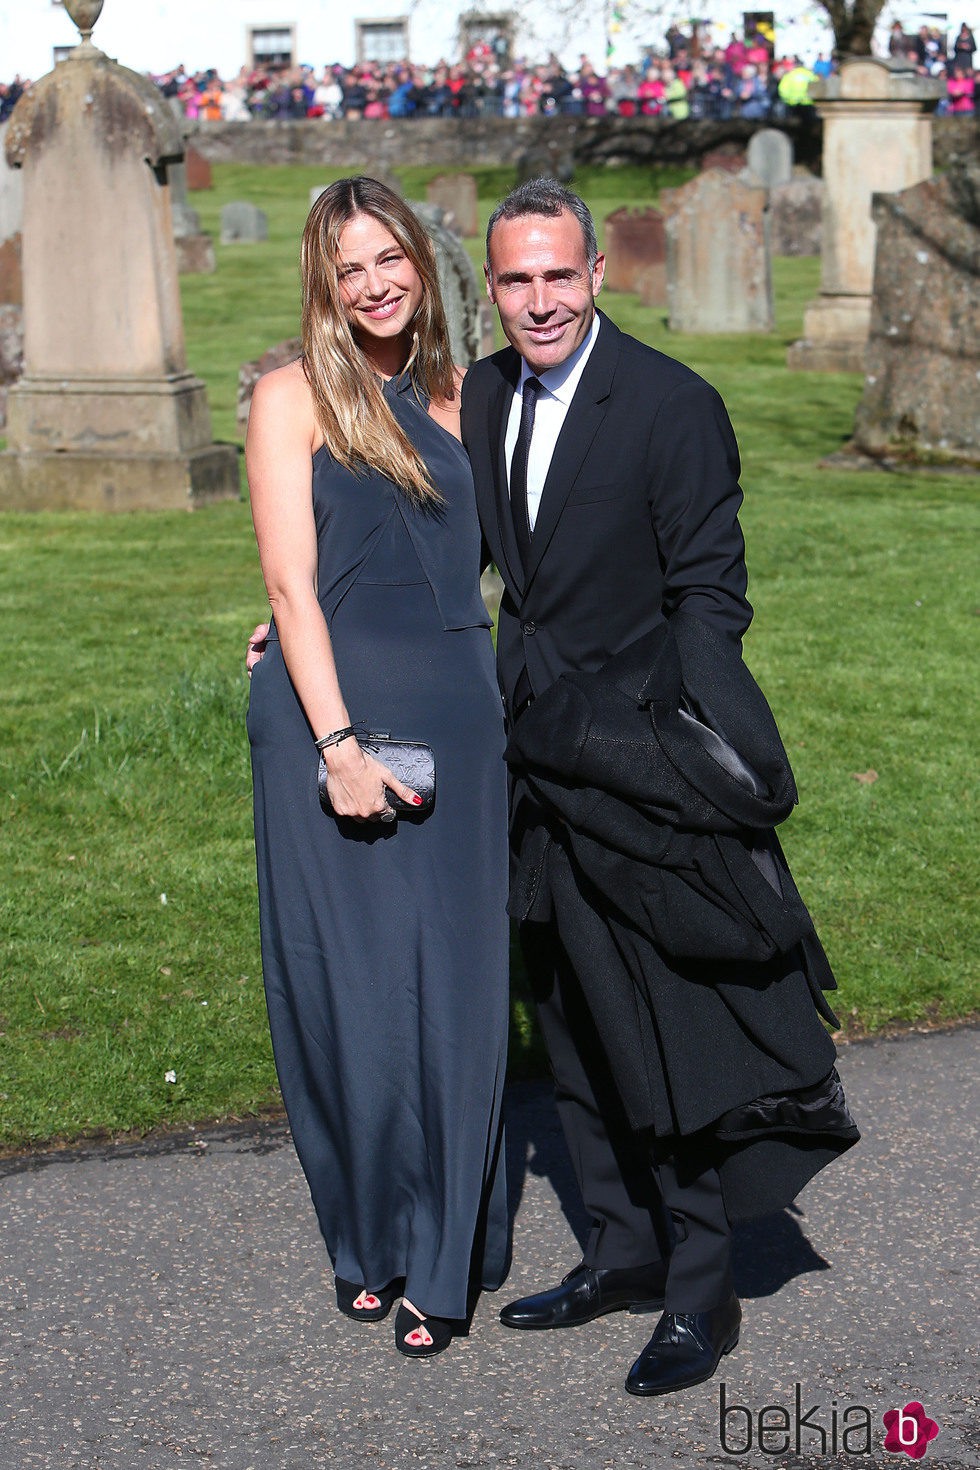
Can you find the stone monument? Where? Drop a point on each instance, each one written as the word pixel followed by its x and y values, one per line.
pixel 636 253
pixel 877 139
pixel 795 215
pixel 106 415
pixel 719 276
pixel 457 194
pixel 770 157
pixel 195 249
pixel 921 401
pixel 461 291
pixel 11 219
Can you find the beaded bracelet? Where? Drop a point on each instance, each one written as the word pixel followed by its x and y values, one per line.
pixel 334 738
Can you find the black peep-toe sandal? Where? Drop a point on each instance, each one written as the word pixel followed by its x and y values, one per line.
pixel 349 1291
pixel 439 1329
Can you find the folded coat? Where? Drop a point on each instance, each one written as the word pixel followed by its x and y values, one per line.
pixel 660 779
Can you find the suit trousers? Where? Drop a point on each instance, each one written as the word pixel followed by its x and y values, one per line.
pixel 647 1200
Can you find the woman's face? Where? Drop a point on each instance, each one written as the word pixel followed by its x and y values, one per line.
pixel 380 287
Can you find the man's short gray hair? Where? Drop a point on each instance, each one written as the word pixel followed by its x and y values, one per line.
pixel 546 197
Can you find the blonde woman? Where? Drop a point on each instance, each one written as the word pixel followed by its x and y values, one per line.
pixel 384 938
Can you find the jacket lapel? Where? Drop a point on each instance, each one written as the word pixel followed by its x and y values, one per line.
pixel 582 422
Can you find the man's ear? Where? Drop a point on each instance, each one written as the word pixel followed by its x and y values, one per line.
pixel 598 274
pixel 489 280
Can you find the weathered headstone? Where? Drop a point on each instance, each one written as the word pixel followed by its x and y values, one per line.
pixel 11 270
pixel 727 157
pixel 636 246
pixel 877 138
pixel 718 267
pixel 195 251
pixel 770 157
pixel 461 291
pixel 11 220
pixel 921 397
pixel 457 194
pixel 106 415
pixel 651 282
pixel 198 168
pixel 795 216
pixel 548 158
pixel 11 192
pixel 243 223
pixel 250 372
pixel 11 352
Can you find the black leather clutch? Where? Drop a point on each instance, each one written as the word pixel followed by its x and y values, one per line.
pixel 411 761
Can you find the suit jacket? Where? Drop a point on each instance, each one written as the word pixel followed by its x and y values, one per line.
pixel 638 515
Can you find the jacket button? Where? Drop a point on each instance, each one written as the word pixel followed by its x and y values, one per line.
pixel 529 628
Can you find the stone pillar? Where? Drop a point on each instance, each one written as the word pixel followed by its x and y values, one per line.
pixel 877 139
pixel 106 415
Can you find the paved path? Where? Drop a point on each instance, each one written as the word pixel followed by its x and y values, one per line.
pixel 168 1306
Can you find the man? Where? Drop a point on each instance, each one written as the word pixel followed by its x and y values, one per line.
pixel 606 478
pixel 607 485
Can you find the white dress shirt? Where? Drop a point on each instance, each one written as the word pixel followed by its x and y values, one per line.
pixel 558 386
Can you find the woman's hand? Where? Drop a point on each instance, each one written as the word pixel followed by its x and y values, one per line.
pixel 255 647
pixel 356 784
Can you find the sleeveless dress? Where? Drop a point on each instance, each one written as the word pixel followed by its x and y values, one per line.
pixel 385 947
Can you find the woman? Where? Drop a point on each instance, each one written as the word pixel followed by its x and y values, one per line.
pixel 384 942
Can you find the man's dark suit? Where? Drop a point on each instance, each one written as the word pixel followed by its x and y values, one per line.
pixel 637 518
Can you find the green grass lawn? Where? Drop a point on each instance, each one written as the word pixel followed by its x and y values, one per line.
pixel 128 929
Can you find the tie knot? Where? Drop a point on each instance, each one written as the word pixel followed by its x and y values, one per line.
pixel 532 387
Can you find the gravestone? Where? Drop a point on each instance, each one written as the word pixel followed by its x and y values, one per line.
pixel 106 415
pixel 243 223
pixel 456 193
pixel 718 266
pixel 877 138
pixel 770 157
pixel 458 283
pixel 732 160
pixel 636 247
pixel 250 372
pixel 547 158
pixel 796 216
pixel 11 219
pixel 921 398
pixel 11 352
pixel 198 168
pixel 195 251
pixel 11 271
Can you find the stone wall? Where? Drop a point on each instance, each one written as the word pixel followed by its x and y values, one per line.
pixel 469 142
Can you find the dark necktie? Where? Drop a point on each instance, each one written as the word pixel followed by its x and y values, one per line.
pixel 518 469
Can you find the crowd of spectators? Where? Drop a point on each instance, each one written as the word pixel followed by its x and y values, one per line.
pixel 681 79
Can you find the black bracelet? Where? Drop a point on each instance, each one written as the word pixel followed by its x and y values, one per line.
pixel 334 738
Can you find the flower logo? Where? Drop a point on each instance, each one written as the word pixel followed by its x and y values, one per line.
pixel 909 1430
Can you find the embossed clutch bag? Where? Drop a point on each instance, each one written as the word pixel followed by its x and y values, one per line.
pixel 412 761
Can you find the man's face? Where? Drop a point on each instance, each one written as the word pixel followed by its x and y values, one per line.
pixel 538 277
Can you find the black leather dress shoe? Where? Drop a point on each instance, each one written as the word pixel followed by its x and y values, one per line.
pixel 685 1349
pixel 587 1293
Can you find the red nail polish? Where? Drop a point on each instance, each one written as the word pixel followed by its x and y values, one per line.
pixel 417 800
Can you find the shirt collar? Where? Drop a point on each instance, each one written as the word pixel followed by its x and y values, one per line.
pixel 561 381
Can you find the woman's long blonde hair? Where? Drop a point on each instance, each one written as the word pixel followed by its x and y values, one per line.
pixel 358 426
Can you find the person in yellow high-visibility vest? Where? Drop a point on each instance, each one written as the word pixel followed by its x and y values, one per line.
pixel 794 85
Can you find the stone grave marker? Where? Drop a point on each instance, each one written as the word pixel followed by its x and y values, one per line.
pixel 796 216
pixel 195 251
pixel 636 247
pixel 106 415
pixel 198 168
pixel 718 266
pixel 732 160
pixel 920 401
pixel 461 290
pixel 456 193
pixel 243 223
pixel 770 157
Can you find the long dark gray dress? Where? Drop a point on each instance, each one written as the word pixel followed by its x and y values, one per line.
pixel 384 947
